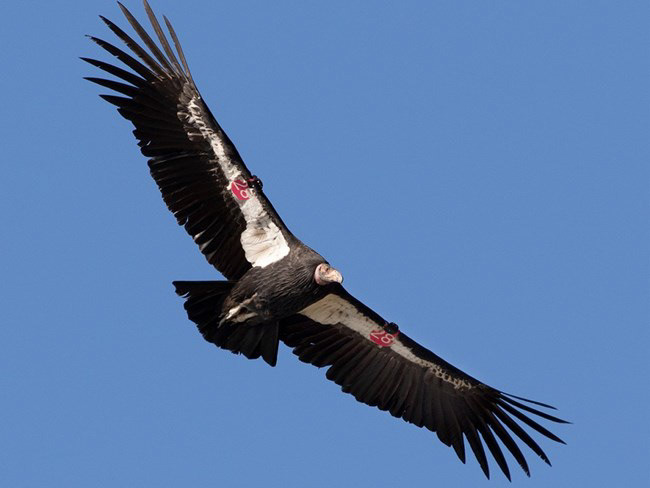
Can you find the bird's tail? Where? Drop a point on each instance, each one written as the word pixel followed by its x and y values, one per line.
pixel 203 302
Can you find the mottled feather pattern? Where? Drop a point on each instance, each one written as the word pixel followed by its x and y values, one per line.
pixel 428 392
pixel 192 159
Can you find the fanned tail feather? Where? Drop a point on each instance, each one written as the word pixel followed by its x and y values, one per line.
pixel 203 302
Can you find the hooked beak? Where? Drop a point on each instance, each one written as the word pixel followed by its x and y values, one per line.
pixel 325 274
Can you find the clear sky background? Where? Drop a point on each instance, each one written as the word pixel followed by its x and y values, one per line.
pixel 478 171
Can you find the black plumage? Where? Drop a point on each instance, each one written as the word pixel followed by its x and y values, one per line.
pixel 278 289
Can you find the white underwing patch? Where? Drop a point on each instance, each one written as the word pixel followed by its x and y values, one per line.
pixel 335 310
pixel 264 245
pixel 262 240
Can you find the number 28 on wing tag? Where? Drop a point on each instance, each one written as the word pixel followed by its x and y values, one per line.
pixel 382 338
pixel 240 189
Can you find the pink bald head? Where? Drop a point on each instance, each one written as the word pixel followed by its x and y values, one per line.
pixel 325 274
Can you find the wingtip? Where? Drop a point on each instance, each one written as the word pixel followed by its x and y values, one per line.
pixel 528 400
pixel 127 13
pixel 96 40
pixel 87 60
pixel 90 61
pixel 147 7
pixel 109 23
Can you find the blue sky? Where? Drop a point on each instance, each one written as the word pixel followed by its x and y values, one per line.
pixel 477 170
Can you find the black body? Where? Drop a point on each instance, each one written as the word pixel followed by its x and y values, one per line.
pixel 281 289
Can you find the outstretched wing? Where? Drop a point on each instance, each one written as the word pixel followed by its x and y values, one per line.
pixel 202 177
pixel 382 367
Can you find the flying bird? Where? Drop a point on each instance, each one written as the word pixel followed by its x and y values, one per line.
pixel 277 288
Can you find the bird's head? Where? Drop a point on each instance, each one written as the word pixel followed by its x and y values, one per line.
pixel 325 274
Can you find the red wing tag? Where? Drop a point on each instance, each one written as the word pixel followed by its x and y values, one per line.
pixel 383 338
pixel 240 189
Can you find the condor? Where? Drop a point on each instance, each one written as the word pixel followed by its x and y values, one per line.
pixel 277 288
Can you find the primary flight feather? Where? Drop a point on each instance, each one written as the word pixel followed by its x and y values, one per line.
pixel 279 289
